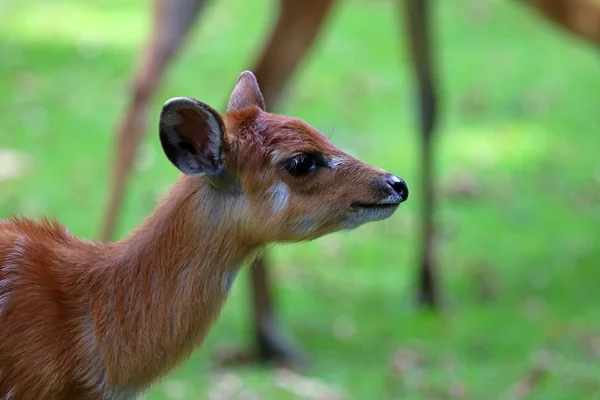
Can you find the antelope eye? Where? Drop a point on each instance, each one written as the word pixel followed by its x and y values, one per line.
pixel 302 164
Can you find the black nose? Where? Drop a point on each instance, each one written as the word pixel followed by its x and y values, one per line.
pixel 399 186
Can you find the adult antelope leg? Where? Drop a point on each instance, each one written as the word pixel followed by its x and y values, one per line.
pixel 172 20
pixel 579 17
pixel 417 15
pixel 297 27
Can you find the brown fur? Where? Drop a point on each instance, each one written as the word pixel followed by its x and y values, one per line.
pixel 578 17
pixel 85 320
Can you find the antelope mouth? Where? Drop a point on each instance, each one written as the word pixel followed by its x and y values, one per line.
pixel 375 206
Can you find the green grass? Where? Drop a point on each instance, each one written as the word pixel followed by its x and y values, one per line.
pixel 520 128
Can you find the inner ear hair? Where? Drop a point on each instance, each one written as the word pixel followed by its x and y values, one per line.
pixel 192 134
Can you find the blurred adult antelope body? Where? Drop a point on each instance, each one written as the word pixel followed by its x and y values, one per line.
pixel 85 320
pixel 294 31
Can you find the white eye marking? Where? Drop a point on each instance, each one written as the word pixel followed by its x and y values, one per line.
pixel 275 156
pixel 335 162
pixel 305 225
pixel 280 194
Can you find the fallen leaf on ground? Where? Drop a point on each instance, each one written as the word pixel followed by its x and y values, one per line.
pixel 533 378
pixel 305 387
pixel 229 386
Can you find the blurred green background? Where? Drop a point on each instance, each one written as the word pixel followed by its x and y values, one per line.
pixel 517 169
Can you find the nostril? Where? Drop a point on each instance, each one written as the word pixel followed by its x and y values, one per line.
pixel 399 186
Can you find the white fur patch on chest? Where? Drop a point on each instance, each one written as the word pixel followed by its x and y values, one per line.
pixel 228 277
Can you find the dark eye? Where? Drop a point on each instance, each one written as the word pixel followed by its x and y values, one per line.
pixel 302 164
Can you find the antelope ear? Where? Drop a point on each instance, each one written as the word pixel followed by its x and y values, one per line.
pixel 191 134
pixel 246 94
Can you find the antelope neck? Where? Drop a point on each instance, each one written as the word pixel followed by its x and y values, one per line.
pixel 159 290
